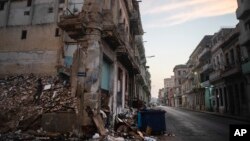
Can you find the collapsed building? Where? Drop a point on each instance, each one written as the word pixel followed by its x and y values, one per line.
pixel 96 44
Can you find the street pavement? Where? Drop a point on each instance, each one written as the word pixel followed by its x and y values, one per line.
pixel 188 125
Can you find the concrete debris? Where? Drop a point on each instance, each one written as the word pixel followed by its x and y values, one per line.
pixel 26 117
pixel 96 136
pixel 18 109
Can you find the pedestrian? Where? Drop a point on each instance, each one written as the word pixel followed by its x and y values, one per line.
pixel 39 89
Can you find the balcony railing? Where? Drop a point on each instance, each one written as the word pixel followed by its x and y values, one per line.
pixel 215 75
pixel 217 45
pixel 204 52
pixel 205 84
pixel 207 67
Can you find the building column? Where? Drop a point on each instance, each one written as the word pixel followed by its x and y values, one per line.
pixel 115 81
pixel 123 88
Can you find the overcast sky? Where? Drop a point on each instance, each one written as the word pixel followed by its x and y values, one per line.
pixel 174 28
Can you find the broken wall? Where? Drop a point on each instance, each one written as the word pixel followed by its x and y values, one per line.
pixel 38 50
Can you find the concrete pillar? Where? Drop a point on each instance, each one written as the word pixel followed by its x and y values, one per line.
pixel 115 72
pixel 123 88
pixel 90 61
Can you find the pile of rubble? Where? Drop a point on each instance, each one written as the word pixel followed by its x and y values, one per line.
pixel 17 107
pixel 21 115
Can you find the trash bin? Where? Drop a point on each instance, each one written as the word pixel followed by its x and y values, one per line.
pixel 154 119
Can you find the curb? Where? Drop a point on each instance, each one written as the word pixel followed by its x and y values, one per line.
pixel 245 119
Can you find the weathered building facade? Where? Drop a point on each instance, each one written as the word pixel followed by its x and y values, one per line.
pixel 98 43
pixel 215 80
pixel 180 72
pixel 168 87
pixel 243 15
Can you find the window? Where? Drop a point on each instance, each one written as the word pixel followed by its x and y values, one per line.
pixel 1 6
pixel 232 56
pixel 120 13
pixel 61 1
pixel 218 60
pixel 221 98
pixel 60 9
pixel 26 13
pixel 179 72
pixel 29 2
pixel 238 54
pixel 184 72
pixel 227 59
pixel 75 10
pixel 247 25
pixel 24 34
pixel 50 10
pixel 57 32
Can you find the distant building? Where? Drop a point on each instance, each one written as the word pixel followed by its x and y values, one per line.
pixel 161 96
pixel 180 72
pixel 168 87
pixel 215 80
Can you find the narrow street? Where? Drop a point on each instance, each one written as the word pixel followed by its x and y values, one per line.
pixel 188 125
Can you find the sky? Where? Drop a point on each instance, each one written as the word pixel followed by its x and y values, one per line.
pixel 173 29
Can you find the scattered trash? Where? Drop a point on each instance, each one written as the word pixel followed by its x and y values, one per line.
pixel 96 136
pixel 169 134
pixel 47 87
pixel 149 139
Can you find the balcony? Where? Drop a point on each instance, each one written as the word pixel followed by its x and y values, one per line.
pixel 246 67
pixel 73 25
pixel 232 69
pixel 204 53
pixel 217 45
pixel 135 23
pixel 205 84
pixel 245 38
pixel 215 75
pixel 207 67
pixel 243 10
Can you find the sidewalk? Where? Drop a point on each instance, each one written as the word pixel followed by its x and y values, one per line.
pixel 246 119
